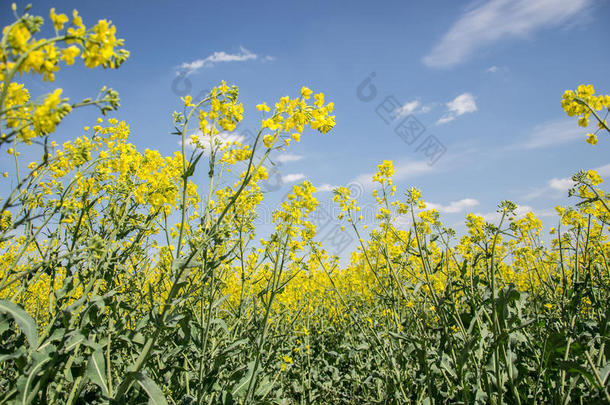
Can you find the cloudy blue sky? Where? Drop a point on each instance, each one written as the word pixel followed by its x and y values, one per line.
pixel 464 97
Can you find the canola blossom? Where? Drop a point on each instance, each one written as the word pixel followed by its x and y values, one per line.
pixel 123 280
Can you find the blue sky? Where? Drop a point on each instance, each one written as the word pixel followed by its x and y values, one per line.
pixel 485 78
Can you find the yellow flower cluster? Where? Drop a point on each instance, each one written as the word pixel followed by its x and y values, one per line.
pixel 296 209
pixel 384 173
pixel 21 52
pixel 224 111
pixel 582 103
pixel 25 54
pixel 292 115
pixel 6 220
pixel 49 114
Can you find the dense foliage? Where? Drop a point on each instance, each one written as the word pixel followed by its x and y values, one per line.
pixel 121 282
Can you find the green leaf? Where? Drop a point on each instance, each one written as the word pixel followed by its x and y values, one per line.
pixel 26 382
pixel 363 346
pixel 576 368
pixel 155 395
pixel 23 319
pixel 96 370
pixel 604 372
pixel 264 387
pixel 240 387
pixel 191 169
pixel 14 355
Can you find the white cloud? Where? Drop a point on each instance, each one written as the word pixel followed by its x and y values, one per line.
pixel 492 69
pixel 565 183
pixel 408 169
pixel 324 188
pixel 557 186
pixel 289 157
pixel 220 139
pixel 454 206
pixel 549 212
pixel 462 104
pixel 551 133
pixel 401 172
pixel 413 107
pixel 483 24
pixel 520 212
pixel 407 108
pixel 220 57
pixel 561 184
pixel 291 178
pixel 603 170
pixel 402 221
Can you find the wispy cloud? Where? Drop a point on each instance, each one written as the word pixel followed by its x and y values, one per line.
pixel 563 184
pixel 492 69
pixel 413 107
pixel 566 183
pixel 555 186
pixel 454 206
pixel 401 172
pixel 220 57
pixel 219 140
pixel 520 212
pixel 483 24
pixel 550 134
pixel 407 108
pixel 293 177
pixel 462 104
pixel 603 170
pixel 288 157
pixel 402 221
pixel 325 188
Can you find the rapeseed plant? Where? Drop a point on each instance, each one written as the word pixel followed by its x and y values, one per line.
pixel 122 280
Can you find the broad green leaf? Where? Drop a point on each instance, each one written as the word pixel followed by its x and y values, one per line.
pixel 14 355
pixel 155 395
pixel 243 383
pixel 23 319
pixel 25 383
pixel 96 370
pixel 264 386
